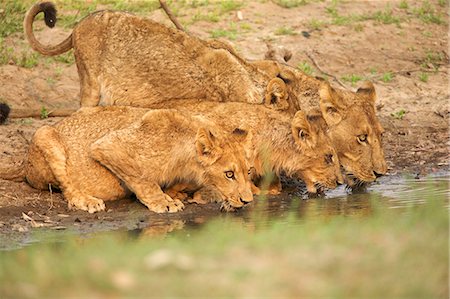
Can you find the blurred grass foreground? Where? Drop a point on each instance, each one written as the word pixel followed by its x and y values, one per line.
pixel 389 254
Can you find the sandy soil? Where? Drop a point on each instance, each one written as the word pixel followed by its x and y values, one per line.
pixel 417 143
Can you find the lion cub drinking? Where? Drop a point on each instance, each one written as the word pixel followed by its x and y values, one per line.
pixel 296 146
pixel 92 154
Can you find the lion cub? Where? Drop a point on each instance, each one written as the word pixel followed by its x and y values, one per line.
pixel 99 153
pixel 296 146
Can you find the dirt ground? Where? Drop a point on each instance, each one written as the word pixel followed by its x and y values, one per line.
pixel 407 61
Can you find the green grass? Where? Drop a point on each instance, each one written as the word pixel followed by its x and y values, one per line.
pixel 399 114
pixel 433 59
pixel 387 254
pixel 27 60
pixel 290 3
pixel 387 77
pixel 305 67
pixel 285 31
pixel 428 14
pixel 316 24
pixel 386 17
pixel 403 4
pixel 353 79
pixel 12 16
pixel 423 77
pixel 230 33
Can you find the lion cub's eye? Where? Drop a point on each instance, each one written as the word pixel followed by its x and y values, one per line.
pixel 362 138
pixel 229 174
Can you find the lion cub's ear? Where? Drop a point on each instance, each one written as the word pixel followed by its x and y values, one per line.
pixel 330 104
pixel 368 90
pixel 205 145
pixel 276 96
pixel 245 137
pixel 302 130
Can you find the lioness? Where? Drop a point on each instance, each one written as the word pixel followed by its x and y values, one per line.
pixel 297 146
pixel 98 153
pixel 126 60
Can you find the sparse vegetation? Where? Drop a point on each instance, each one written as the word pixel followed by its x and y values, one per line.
pixel 230 33
pixel 399 114
pixel 403 4
pixel 285 31
pixel 432 59
pixel 27 60
pixel 423 77
pixel 316 24
pixel 290 3
pixel 67 58
pixel 428 14
pixel 44 113
pixel 386 17
pixel 305 67
pixel 353 79
pixel 387 77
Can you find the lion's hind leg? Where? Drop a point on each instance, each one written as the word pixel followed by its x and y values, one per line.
pixel 50 152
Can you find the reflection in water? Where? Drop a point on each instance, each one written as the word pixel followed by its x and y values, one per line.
pixel 291 209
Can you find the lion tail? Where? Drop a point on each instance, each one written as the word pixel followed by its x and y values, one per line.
pixel 49 11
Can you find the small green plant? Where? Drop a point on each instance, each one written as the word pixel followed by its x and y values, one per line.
pixel 403 4
pixel 230 33
pixel 44 113
pixel 209 17
pixel 290 3
pixel 230 5
pixel 285 31
pixel 432 58
pixel 386 17
pixel 373 71
pixel 399 114
pixel 443 2
pixel 316 24
pixel 428 14
pixel 6 53
pixel 26 121
pixel 423 77
pixel 352 78
pixel 11 16
pixel 245 27
pixel 358 27
pixel 50 81
pixel 27 60
pixel 387 77
pixel 67 57
pixel 305 67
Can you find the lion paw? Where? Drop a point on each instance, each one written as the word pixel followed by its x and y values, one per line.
pixel 164 204
pixel 87 203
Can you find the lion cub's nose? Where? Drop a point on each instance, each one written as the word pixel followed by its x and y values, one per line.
pixel 377 174
pixel 243 201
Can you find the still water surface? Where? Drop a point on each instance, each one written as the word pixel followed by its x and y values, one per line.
pixel 394 193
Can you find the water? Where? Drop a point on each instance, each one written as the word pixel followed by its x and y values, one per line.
pixel 290 209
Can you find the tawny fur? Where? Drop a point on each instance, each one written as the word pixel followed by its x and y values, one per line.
pixel 99 153
pixel 277 147
pixel 126 60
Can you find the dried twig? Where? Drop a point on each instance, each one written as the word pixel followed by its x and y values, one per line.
pixel 171 15
pixel 323 72
pixel 51 197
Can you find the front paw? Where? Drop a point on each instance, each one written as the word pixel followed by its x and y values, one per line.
pixel 86 203
pixel 163 204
